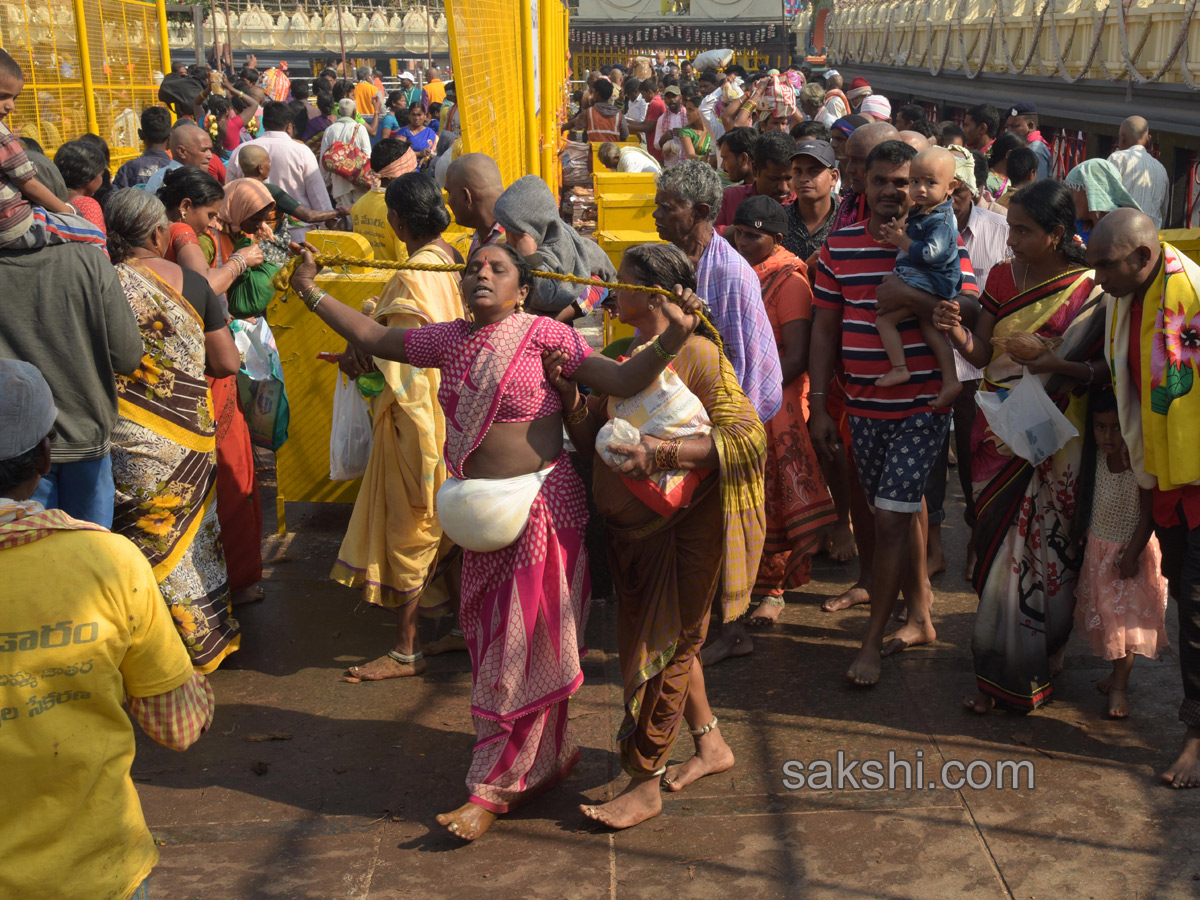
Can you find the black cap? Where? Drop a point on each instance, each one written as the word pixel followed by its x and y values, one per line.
pixel 818 150
pixel 763 213
pixel 1023 108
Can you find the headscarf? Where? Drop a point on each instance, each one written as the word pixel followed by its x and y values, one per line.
pixel 402 166
pixel 877 105
pixel 527 206
pixel 847 124
pixel 964 168
pixel 243 198
pixel 1101 182
pixel 276 84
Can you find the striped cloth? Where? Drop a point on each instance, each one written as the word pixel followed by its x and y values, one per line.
pixel 850 268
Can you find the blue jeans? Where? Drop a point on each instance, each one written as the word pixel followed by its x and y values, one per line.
pixel 83 490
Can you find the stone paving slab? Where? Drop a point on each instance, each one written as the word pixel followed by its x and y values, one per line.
pixel 345 807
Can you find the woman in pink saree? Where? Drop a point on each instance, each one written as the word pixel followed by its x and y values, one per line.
pixel 515 505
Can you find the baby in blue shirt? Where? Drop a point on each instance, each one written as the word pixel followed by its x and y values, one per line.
pixel 928 260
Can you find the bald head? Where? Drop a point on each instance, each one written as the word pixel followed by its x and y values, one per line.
pixel 473 184
pixel 915 139
pixel 1134 130
pixel 1125 251
pixel 254 161
pixel 859 146
pixel 190 145
pixel 833 83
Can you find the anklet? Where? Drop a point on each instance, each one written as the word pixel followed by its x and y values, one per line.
pixel 404 658
pixel 456 632
pixel 700 732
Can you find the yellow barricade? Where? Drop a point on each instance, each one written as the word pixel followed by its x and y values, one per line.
pixel 615 243
pixel 1187 240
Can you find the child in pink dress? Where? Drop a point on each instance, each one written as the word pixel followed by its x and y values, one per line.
pixel 1121 596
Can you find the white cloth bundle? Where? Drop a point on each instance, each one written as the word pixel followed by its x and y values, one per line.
pixel 486 514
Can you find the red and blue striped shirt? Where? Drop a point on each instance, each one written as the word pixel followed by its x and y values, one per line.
pixel 850 268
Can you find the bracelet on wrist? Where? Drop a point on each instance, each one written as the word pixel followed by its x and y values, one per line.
pixel 661 352
pixel 579 414
pixel 311 296
pixel 965 345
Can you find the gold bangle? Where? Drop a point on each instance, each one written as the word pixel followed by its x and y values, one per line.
pixel 576 416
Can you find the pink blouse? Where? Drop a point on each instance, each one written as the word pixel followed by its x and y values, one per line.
pixel 527 395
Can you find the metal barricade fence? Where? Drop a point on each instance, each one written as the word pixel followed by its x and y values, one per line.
pixel 90 65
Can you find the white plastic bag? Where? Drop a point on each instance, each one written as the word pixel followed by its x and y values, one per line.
pixel 350 437
pixel 257 346
pixel 1027 420
pixel 717 59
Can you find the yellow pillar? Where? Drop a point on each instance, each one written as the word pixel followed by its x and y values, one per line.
pixel 85 68
pixel 547 22
pixel 164 43
pixel 532 163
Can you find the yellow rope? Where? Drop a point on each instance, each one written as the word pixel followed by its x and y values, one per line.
pixel 282 279
pixel 284 276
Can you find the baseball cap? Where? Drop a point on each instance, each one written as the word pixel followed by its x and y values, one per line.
pixel 818 150
pixel 407 76
pixel 672 91
pixel 27 410
pixel 763 213
pixel 1023 108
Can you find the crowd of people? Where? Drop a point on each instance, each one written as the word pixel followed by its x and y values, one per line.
pixel 835 286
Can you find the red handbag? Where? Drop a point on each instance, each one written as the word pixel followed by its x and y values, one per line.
pixel 349 162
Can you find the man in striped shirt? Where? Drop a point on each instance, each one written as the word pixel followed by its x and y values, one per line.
pixel 896 434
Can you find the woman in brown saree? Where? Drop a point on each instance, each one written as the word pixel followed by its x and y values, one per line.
pixel 666 569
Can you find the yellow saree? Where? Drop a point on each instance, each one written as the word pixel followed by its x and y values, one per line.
pixel 391 547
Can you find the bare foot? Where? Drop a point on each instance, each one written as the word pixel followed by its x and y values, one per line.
pixel 1118 703
pixel 728 643
pixel 841 543
pixel 641 800
pixel 947 396
pixel 1058 662
pixel 898 375
pixel 981 704
pixel 1185 771
pixel 911 634
pixel 969 570
pixel 866 668
pixel 1104 685
pixel 712 756
pixel 383 668
pixel 900 610
pixel 252 594
pixel 855 596
pixel 468 821
pixel 449 643
pixel 766 613
pixel 935 556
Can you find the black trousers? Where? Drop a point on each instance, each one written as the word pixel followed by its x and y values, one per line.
pixel 1181 566
pixel 935 487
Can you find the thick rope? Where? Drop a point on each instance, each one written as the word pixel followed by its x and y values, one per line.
pixel 282 280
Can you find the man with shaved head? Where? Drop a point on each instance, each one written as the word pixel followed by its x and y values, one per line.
pixel 1153 351
pixel 916 140
pixel 1144 177
pixel 853 206
pixel 473 184
pixel 190 145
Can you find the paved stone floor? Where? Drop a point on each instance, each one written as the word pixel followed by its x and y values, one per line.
pixel 342 805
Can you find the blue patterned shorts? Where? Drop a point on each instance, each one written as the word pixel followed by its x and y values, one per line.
pixel 895 456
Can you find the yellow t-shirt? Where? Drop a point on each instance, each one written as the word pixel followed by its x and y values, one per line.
pixel 81 626
pixel 364 98
pixel 436 91
pixel 369 214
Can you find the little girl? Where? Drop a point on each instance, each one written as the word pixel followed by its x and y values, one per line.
pixel 1121 597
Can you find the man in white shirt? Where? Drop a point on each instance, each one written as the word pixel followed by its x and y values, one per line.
pixel 627 158
pixel 1144 177
pixel 293 166
pixel 637 103
pixel 711 93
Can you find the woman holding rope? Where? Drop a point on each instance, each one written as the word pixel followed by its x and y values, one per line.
pixel 514 504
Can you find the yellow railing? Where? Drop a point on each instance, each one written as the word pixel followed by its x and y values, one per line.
pixel 90 65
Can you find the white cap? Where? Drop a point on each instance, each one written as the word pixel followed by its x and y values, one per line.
pixel 27 410
pixel 407 76
pixel 829 73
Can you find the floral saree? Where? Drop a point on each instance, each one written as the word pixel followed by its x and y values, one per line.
pixel 1027 566
pixel 164 467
